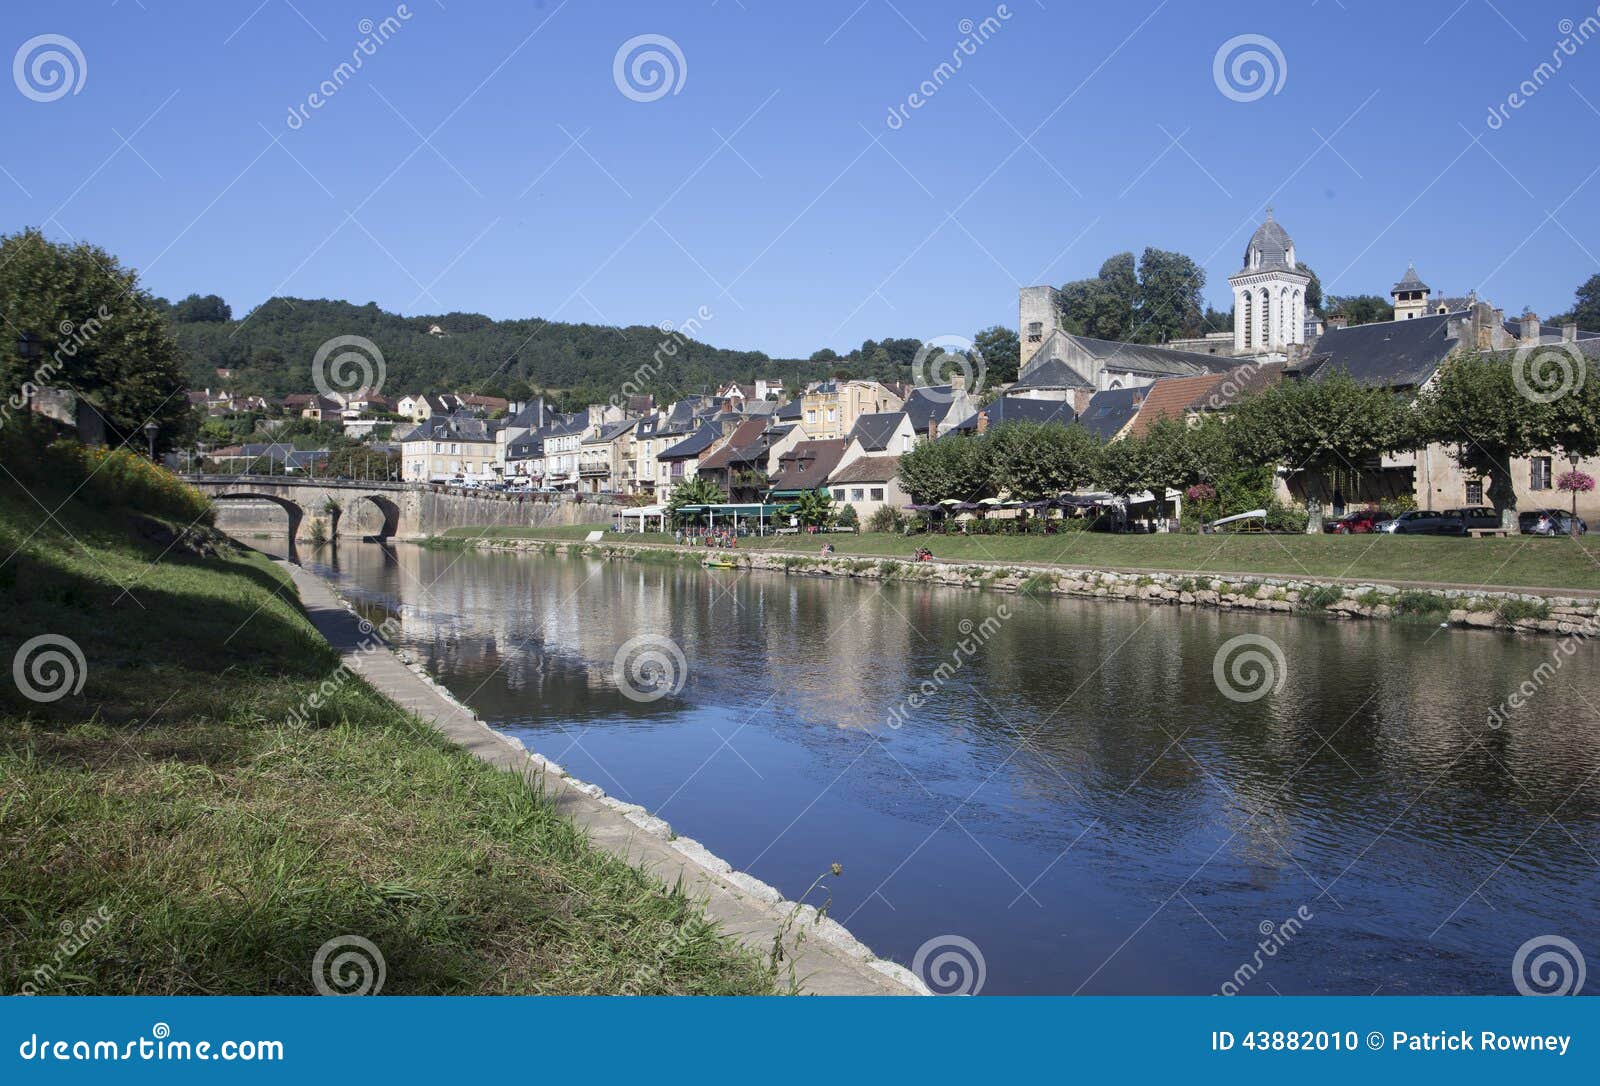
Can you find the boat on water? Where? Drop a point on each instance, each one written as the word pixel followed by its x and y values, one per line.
pixel 720 563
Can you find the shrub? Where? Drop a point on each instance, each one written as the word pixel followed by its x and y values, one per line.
pixel 1523 610
pixel 1316 599
pixel 848 517
pixel 1419 603
pixel 112 478
pixel 1286 518
pixel 885 518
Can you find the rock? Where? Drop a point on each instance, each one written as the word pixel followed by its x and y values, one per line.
pixel 1483 620
pixel 1186 597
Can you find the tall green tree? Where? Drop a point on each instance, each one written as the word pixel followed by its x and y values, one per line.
pixel 1317 427
pixel 1029 460
pixel 951 467
pixel 1001 351
pixel 1171 286
pixel 1359 308
pixel 99 333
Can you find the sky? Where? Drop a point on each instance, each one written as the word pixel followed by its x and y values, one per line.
pixel 779 176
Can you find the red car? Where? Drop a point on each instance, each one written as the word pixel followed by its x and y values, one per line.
pixel 1356 523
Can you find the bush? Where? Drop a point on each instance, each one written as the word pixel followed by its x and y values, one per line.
pixel 848 517
pixel 885 518
pixel 1419 603
pixel 1286 518
pixel 1315 599
pixel 113 478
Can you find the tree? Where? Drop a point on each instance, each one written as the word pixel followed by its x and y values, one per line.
pixel 951 467
pixel 1103 307
pixel 697 491
pixel 98 333
pixel 1359 308
pixel 194 309
pixel 814 508
pixel 1001 351
pixel 1476 408
pixel 1586 308
pixel 1030 461
pixel 1170 289
pixel 1313 289
pixel 848 517
pixel 1316 427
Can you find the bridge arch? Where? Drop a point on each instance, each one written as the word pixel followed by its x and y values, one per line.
pixel 357 513
pixel 292 509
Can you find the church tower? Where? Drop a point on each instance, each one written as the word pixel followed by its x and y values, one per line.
pixel 1410 296
pixel 1269 294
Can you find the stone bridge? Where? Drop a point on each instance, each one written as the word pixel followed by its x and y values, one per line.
pixel 383 510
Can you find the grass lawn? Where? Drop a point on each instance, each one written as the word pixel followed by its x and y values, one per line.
pixel 212 841
pixel 1524 561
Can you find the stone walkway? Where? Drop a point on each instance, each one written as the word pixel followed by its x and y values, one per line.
pixel 827 960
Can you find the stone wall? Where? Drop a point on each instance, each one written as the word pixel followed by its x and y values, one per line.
pixel 443 511
pixel 1550 613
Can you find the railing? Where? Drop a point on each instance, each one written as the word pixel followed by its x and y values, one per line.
pixel 302 480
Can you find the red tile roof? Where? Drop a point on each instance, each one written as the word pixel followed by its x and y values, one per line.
pixel 1170 398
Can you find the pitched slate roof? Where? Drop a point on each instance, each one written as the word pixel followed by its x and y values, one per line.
pixel 693 445
pixel 453 428
pixel 1170 398
pixel 1548 333
pixel 1141 358
pixel 875 430
pixel 1021 409
pixel 610 431
pixel 742 445
pixel 1108 412
pixel 1389 354
pixel 790 410
pixel 866 469
pixel 1409 281
pixel 928 403
pixel 1052 374
pixel 808 465
pixel 1274 243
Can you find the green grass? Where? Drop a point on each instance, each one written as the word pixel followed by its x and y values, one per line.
pixel 1489 563
pixel 227 839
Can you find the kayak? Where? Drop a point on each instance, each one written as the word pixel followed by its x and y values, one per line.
pixel 720 563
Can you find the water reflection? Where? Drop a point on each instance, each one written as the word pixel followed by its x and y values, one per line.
pixel 1077 798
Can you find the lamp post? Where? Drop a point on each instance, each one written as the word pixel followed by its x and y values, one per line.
pixel 1572 525
pixel 150 432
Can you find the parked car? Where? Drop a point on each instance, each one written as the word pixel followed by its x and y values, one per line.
pixel 1357 523
pixel 1476 516
pixel 1549 522
pixel 1424 522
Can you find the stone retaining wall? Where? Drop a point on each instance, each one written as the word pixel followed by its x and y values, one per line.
pixel 1482 609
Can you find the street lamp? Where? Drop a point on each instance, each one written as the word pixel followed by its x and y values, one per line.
pixel 150 432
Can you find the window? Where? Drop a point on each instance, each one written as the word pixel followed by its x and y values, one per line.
pixel 877 493
pixel 1539 473
pixel 833 414
pixel 811 416
pixel 857 494
pixel 1035 331
pixel 1475 493
pixel 838 494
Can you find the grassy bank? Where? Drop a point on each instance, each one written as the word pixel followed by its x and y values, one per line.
pixel 199 828
pixel 1524 561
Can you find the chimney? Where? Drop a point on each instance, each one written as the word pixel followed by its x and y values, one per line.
pixel 1080 400
pixel 1335 324
pixel 958 381
pixel 933 428
pixel 1530 327
pixel 983 421
pixel 1569 332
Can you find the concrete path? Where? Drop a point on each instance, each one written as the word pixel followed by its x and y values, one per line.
pixel 827 960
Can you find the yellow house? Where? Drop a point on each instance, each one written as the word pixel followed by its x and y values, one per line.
pixel 830 410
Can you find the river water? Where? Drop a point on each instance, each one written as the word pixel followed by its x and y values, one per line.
pixel 1073 802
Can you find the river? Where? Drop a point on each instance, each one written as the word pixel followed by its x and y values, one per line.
pixel 1072 802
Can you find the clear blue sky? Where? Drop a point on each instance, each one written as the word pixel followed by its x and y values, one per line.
pixel 815 223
